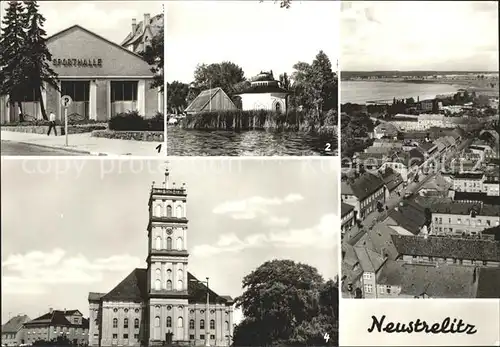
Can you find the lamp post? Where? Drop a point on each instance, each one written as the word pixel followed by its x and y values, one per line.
pixel 207 311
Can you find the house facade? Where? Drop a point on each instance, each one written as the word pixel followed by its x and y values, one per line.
pixel 364 194
pixel 102 77
pixel 264 93
pixel 13 332
pixel 164 303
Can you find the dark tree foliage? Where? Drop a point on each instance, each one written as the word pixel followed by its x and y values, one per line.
pixel 286 303
pixel 177 93
pixel 154 56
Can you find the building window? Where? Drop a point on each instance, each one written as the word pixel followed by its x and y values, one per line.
pixel 191 337
pixel 202 337
pixel 115 336
pixel 136 336
pixel 169 243
pixel 202 324
pixel 125 323
pixel 179 285
pixel 367 275
pixel 388 289
pixel 136 323
pixel 123 91
pixel 179 212
pixel 115 322
pixel 191 324
pixel 212 337
pixel 125 336
pixel 157 285
pixel 78 90
pixel 169 322
pixel 158 243
pixel 126 310
pixel 180 322
pixel 169 285
pixel 136 310
pixel 179 243
pixel 169 211
pixel 212 324
pixel 157 322
pixel 278 107
pixel 158 210
pixel 226 325
pixel 368 288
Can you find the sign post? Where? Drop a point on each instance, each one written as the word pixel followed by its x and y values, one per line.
pixel 65 102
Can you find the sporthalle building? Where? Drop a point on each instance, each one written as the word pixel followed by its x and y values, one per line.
pixel 102 77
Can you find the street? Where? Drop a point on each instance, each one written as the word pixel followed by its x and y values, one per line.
pixel 24 149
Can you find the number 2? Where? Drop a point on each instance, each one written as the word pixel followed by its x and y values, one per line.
pixel 327 147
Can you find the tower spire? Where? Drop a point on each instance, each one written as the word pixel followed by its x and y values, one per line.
pixel 167 174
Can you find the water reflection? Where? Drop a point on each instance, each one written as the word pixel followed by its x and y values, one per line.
pixel 247 143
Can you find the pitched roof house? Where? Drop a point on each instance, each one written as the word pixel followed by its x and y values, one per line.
pixel 141 35
pixel 211 100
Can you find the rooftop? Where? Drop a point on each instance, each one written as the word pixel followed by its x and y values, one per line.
pixel 15 323
pixel 58 318
pixel 409 215
pixel 364 186
pixel 369 260
pixel 345 208
pixel 476 197
pixel 447 247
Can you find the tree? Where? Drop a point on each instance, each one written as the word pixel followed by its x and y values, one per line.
pixel 224 75
pixel 281 296
pixel 177 93
pixel 37 54
pixel 154 57
pixel 12 59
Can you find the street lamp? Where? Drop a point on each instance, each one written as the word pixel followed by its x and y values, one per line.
pixel 207 317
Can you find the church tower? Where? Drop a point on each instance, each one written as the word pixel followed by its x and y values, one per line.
pixel 167 264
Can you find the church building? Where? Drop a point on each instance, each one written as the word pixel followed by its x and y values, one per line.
pixel 163 304
pixel 264 93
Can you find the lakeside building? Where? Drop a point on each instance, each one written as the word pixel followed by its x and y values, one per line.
pixel 211 100
pixel 102 77
pixel 13 332
pixel 264 93
pixel 164 303
pixel 55 324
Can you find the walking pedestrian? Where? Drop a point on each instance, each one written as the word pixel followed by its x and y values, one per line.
pixel 52 123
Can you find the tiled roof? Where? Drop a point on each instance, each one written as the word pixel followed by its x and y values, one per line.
pixel 95 296
pixel 202 101
pixel 462 208
pixel 427 146
pixel 469 175
pixel 132 288
pixel 487 287
pixel 155 24
pixel 56 317
pixel 443 281
pixel 410 216
pixel 391 178
pixel 495 231
pixel 366 185
pixel 369 260
pixel 476 196
pixel 386 128
pixel 345 208
pixel 14 324
pixel 447 247
pixel 379 240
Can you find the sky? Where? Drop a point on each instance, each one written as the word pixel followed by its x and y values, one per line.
pixel 407 35
pixel 257 36
pixel 70 226
pixel 109 19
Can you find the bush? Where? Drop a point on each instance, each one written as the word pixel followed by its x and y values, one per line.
pixel 132 121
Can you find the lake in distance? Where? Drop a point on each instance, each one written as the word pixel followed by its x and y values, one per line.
pixel 360 92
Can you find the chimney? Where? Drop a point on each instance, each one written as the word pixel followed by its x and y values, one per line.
pixel 50 310
pixel 134 25
pixel 147 18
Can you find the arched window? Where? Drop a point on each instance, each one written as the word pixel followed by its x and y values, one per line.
pixel 136 323
pixel 157 285
pixel 226 325
pixel 180 322
pixel 191 324
pixel 212 324
pixel 278 107
pixel 179 212
pixel 169 243
pixel 158 243
pixel 169 285
pixel 169 274
pixel 202 324
pixel 179 285
pixel 169 322
pixel 125 323
pixel 169 211
pixel 157 322
pixel 179 243
pixel 115 322
pixel 158 210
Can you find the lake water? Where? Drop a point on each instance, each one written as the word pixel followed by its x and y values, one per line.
pixel 362 91
pixel 183 142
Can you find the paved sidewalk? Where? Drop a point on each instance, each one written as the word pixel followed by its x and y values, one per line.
pixel 86 144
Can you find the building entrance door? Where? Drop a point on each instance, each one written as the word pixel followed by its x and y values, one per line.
pixel 169 338
pixel 79 91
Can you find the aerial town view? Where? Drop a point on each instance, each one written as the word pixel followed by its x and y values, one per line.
pixel 238 88
pixel 420 202
pixel 81 78
pixel 165 263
